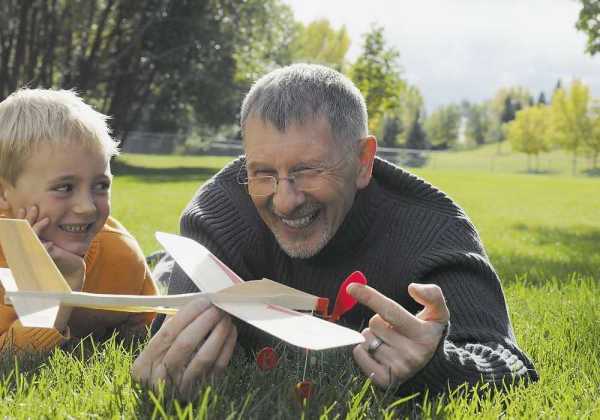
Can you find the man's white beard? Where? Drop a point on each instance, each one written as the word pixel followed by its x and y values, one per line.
pixel 302 250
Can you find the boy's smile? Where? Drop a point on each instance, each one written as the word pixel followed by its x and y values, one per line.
pixel 70 185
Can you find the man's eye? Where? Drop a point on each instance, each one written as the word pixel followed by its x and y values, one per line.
pixel 306 172
pixel 263 172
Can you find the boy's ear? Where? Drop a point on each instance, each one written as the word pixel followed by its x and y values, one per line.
pixel 4 185
pixel 366 157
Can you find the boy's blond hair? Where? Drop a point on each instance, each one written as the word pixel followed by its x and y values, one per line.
pixel 30 117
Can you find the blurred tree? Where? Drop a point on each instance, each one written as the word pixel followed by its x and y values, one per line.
pixel 265 30
pixel 503 108
pixel 166 62
pixel 376 73
pixel 478 122
pixel 392 127
pixel 416 137
pixel 509 111
pixel 527 133
pixel 442 126
pixel 570 117
pixel 592 142
pixel 542 99
pixel 589 22
pixel 319 42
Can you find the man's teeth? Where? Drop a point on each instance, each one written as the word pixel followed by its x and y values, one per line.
pixel 300 222
pixel 75 228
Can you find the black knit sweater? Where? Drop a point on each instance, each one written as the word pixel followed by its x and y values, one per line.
pixel 399 230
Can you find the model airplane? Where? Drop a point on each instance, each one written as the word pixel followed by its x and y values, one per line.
pixel 36 289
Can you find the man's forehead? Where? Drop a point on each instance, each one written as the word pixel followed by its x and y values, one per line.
pixel 297 144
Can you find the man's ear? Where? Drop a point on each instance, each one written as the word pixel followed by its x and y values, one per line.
pixel 366 157
pixel 4 186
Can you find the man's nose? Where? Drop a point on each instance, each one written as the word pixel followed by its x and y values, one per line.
pixel 84 204
pixel 287 197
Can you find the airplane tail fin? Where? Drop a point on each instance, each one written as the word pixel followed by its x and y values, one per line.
pixel 206 271
pixel 31 269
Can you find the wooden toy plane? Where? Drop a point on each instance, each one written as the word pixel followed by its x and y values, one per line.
pixel 36 289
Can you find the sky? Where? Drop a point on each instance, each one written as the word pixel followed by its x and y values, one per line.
pixel 468 49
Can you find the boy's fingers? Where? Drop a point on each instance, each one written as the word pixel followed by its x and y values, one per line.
pixel 40 225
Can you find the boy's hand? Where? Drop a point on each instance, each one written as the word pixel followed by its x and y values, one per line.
pixel 72 266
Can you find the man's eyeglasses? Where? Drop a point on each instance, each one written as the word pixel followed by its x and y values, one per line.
pixel 303 180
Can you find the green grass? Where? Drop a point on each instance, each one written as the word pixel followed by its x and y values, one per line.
pixel 498 158
pixel 542 233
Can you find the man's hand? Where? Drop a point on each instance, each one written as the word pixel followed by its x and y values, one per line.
pixel 409 341
pixel 195 343
pixel 72 266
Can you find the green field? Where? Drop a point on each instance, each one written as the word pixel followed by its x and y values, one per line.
pixel 542 233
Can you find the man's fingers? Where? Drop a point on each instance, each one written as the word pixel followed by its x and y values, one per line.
pixel 432 298
pixel 205 359
pixel 165 337
pixel 389 310
pixel 227 352
pixel 378 373
pixel 188 341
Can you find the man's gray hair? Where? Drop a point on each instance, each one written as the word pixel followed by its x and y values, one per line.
pixel 301 92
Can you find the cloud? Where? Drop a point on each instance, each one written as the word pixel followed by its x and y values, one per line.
pixel 468 49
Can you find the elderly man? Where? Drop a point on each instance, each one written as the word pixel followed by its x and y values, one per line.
pixel 310 203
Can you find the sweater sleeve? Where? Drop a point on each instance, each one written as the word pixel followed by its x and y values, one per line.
pixel 479 345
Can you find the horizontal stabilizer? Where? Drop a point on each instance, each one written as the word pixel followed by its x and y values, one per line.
pixel 36 313
pixel 296 328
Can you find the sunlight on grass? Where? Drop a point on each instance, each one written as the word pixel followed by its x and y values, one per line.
pixel 541 232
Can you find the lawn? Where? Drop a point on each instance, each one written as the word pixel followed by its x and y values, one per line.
pixel 542 233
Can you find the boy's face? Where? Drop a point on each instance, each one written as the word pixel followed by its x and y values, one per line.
pixel 70 185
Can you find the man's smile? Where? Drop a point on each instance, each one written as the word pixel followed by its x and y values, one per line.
pixel 300 222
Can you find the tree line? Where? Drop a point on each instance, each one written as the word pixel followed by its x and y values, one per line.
pixel 182 66
pixel 160 65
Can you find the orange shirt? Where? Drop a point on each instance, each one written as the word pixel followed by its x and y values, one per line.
pixel 114 264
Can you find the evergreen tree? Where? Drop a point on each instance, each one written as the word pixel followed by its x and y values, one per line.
pixel 416 138
pixel 542 99
pixel 508 112
pixel 392 127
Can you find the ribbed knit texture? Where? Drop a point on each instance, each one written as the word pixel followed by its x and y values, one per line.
pixel 399 230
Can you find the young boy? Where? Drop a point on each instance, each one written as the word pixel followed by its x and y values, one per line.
pixel 55 155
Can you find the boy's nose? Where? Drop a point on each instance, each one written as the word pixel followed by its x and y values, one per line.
pixel 287 197
pixel 84 204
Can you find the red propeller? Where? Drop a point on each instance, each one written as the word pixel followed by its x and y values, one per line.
pixel 344 302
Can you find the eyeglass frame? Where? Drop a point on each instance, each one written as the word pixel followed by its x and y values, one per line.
pixel 291 178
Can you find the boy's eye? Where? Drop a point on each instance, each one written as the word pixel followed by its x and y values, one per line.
pixel 103 186
pixel 63 188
